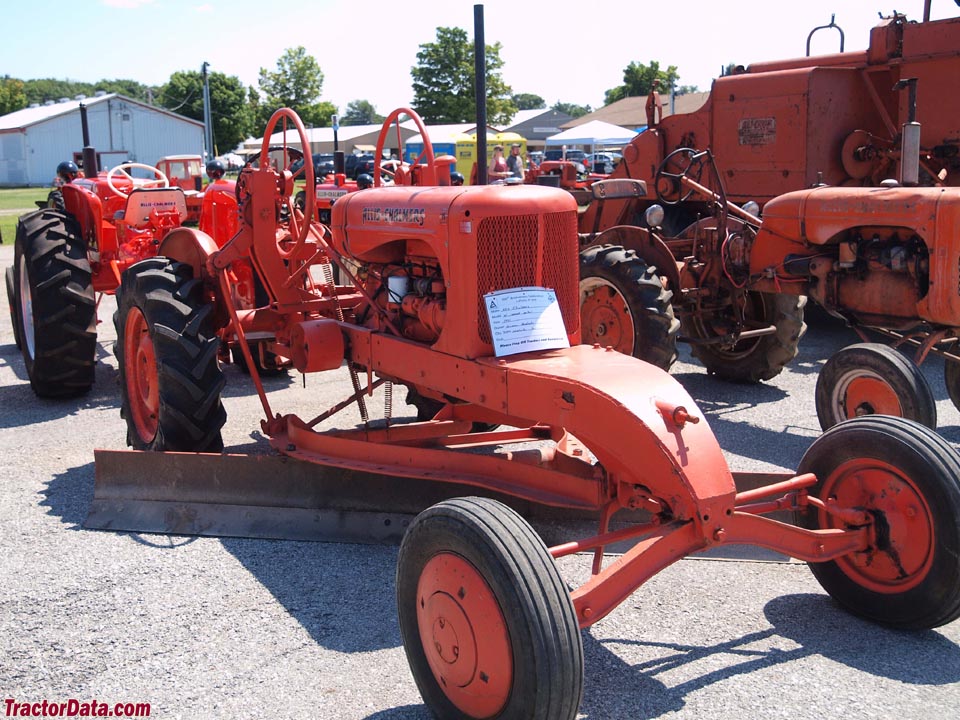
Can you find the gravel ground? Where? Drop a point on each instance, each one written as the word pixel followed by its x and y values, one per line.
pixel 234 628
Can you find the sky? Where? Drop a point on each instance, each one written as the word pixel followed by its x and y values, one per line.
pixel 560 50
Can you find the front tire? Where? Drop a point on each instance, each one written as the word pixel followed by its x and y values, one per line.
pixel 907 478
pixel 873 379
pixel 753 360
pixel 56 304
pixel 487 623
pixel 624 305
pixel 170 379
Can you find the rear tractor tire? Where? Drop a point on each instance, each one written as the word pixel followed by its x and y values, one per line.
pixel 488 625
pixel 907 478
pixel 55 304
pixel 624 305
pixel 12 302
pixel 873 379
pixel 756 359
pixel 170 379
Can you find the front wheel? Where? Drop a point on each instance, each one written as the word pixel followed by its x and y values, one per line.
pixel 907 478
pixel 624 305
pixel 55 303
pixel 170 380
pixel 872 379
pixel 487 623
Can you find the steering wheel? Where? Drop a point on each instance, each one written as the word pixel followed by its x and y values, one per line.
pixel 680 164
pixel 401 175
pixel 297 219
pixel 122 168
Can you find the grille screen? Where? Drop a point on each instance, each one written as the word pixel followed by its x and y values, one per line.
pixel 511 252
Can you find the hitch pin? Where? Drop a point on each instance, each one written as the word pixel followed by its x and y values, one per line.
pixel 676 414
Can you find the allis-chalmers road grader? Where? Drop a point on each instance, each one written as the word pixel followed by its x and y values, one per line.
pixel 776 134
pixel 489 626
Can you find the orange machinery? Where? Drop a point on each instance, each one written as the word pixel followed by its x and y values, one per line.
pixel 489 626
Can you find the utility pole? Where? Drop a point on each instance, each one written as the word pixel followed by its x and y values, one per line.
pixel 207 119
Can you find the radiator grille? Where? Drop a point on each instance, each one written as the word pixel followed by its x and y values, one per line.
pixel 512 252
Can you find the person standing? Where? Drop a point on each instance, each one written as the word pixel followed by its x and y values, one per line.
pixel 515 162
pixel 498 166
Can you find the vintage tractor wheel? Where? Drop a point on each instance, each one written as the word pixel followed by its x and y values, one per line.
pixel 170 380
pixel 753 359
pixel 11 300
pixel 624 305
pixel 488 625
pixel 873 379
pixel 951 376
pixel 907 478
pixel 56 304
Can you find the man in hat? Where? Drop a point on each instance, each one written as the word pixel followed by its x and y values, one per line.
pixel 514 162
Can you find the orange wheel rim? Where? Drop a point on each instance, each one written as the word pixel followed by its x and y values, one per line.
pixel 904 536
pixel 605 318
pixel 867 395
pixel 140 360
pixel 464 636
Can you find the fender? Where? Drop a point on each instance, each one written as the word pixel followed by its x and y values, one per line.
pixel 648 246
pixel 191 246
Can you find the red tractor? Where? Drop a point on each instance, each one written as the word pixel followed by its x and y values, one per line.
pixel 878 257
pixel 489 626
pixel 77 248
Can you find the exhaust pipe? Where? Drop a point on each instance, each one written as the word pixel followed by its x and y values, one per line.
pixel 90 166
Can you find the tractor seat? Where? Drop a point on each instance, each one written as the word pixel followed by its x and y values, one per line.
pixel 143 201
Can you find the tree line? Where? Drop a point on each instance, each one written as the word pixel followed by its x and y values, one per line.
pixel 443 81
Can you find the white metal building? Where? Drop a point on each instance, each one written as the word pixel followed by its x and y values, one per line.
pixel 33 141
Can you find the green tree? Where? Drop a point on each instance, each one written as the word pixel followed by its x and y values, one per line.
pixel 41 90
pixel 12 96
pixel 529 101
pixel 638 80
pixel 444 81
pixel 572 110
pixel 296 84
pixel 361 112
pixel 232 119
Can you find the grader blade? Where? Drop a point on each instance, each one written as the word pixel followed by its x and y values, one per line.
pixel 278 497
pixel 266 496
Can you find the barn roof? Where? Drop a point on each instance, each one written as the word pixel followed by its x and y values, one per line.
pixel 22 119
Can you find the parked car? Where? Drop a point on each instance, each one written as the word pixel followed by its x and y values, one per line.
pixel 358 164
pixel 577 156
pixel 602 162
pixel 322 165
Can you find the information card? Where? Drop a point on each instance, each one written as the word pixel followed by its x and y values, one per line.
pixel 525 319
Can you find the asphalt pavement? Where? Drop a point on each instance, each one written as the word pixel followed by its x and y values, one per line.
pixel 235 628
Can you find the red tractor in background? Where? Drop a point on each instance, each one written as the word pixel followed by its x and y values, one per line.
pixel 882 256
pixel 489 626
pixel 74 250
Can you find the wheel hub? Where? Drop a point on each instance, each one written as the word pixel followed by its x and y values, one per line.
pixel 904 537
pixel 605 318
pixel 142 382
pixel 464 635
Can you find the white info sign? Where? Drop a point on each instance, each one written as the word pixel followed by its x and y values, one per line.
pixel 525 319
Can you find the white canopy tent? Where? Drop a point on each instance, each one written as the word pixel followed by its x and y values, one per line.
pixel 595 133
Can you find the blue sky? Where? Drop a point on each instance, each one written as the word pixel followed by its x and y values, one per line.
pixel 560 50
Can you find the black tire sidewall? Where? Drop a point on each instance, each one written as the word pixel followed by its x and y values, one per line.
pixel 899 373
pixel 435 531
pixel 933 466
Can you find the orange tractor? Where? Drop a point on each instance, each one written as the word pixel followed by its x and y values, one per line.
pixel 489 626
pixel 879 258
pixel 68 254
